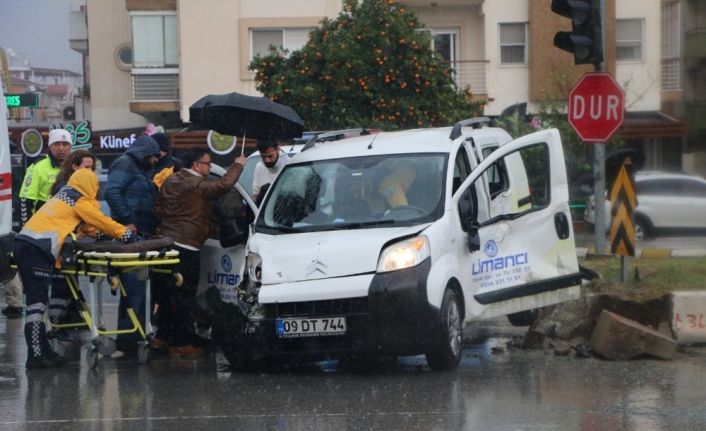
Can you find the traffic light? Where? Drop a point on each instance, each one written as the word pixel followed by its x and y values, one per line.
pixel 585 40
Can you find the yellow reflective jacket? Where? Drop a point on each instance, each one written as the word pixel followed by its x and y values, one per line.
pixel 162 176
pixel 74 206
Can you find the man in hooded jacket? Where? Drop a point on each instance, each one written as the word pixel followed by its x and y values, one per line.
pixel 130 194
pixel 37 248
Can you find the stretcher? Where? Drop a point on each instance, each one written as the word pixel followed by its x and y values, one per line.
pixel 92 260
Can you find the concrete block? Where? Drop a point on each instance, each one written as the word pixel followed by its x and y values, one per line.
pixel 689 252
pixel 689 317
pixel 655 252
pixel 581 251
pixel 616 337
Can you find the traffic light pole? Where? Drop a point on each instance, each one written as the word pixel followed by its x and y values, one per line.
pixel 599 164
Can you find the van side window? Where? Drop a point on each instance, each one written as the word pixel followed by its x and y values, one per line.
pixel 461 169
pixel 531 187
pixel 231 218
pixel 497 175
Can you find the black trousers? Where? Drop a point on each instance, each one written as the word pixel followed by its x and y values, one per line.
pixel 174 321
pixel 36 272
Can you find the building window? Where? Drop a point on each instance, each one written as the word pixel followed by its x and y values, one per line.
pixel 123 56
pixel 513 43
pixel 628 39
pixel 155 41
pixel 291 39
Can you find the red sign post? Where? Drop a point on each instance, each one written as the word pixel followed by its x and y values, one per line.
pixel 596 107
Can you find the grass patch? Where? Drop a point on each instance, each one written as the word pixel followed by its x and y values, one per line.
pixel 657 276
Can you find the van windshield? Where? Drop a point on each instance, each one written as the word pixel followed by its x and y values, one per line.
pixel 356 192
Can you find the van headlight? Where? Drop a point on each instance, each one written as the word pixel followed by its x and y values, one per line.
pixel 254 267
pixel 404 254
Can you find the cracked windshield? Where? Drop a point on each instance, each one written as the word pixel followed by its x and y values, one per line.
pixel 353 214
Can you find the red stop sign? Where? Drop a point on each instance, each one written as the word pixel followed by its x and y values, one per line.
pixel 596 107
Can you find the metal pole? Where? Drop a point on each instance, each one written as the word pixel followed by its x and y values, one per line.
pixel 599 162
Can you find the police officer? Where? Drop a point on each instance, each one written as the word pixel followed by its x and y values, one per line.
pixel 41 175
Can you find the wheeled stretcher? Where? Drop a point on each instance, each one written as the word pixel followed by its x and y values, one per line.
pixel 106 262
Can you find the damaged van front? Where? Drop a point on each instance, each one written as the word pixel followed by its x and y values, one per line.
pixel 379 244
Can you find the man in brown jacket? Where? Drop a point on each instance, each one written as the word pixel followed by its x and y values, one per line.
pixel 184 208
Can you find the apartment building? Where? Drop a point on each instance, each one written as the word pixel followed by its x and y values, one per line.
pixel 150 59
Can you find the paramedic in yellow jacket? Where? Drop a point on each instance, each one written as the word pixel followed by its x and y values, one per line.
pixel 37 248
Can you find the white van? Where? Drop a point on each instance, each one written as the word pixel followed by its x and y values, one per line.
pixel 388 244
pixel 5 195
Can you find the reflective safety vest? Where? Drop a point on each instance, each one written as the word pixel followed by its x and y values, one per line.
pixel 38 180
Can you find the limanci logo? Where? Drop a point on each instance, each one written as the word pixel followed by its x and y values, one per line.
pixel 491 248
pixel 226 263
pixel 225 277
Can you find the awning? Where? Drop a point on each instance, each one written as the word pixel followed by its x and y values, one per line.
pixel 651 125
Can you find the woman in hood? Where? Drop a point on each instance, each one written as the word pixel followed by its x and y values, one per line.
pixel 37 248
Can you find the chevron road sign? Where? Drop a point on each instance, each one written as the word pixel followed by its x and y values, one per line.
pixel 623 203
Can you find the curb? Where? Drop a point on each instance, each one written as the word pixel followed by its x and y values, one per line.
pixel 649 253
pixel 688 322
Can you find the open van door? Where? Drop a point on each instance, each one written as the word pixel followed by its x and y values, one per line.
pixel 223 254
pixel 524 256
pixel 5 196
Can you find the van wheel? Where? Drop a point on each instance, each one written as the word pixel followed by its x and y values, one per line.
pixel 522 318
pixel 447 354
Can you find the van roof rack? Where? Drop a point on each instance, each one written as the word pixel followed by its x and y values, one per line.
pixel 475 123
pixel 334 135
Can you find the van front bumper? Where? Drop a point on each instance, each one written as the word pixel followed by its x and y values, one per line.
pixel 395 318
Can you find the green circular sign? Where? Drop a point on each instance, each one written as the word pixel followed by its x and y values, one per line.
pixel 31 142
pixel 220 144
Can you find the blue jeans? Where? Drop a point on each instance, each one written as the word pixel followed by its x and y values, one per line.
pixel 135 290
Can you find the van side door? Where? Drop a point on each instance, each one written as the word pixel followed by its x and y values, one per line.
pixel 223 254
pixel 520 256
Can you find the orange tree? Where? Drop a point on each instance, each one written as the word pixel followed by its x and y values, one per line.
pixel 369 67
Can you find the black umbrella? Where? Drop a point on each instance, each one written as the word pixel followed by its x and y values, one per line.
pixel 240 115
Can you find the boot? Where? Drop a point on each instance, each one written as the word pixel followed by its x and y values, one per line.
pixel 39 354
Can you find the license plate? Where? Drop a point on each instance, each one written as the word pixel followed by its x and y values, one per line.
pixel 292 328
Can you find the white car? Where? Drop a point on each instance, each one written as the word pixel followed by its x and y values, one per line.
pixel 388 244
pixel 666 202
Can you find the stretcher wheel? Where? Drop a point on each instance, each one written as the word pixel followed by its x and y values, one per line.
pixel 178 279
pixel 91 355
pixel 143 353
pixel 106 345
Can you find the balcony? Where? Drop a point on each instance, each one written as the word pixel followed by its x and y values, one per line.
pixel 154 90
pixel 671 74
pixel 78 31
pixel 695 51
pixel 471 74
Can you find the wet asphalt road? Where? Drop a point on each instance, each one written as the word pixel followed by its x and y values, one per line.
pixel 495 388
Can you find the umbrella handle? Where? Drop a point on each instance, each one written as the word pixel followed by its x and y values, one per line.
pixel 242 150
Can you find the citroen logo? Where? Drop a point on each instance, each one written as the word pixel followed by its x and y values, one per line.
pixel 315 266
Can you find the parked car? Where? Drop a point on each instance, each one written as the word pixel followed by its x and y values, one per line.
pixel 667 202
pixel 388 244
